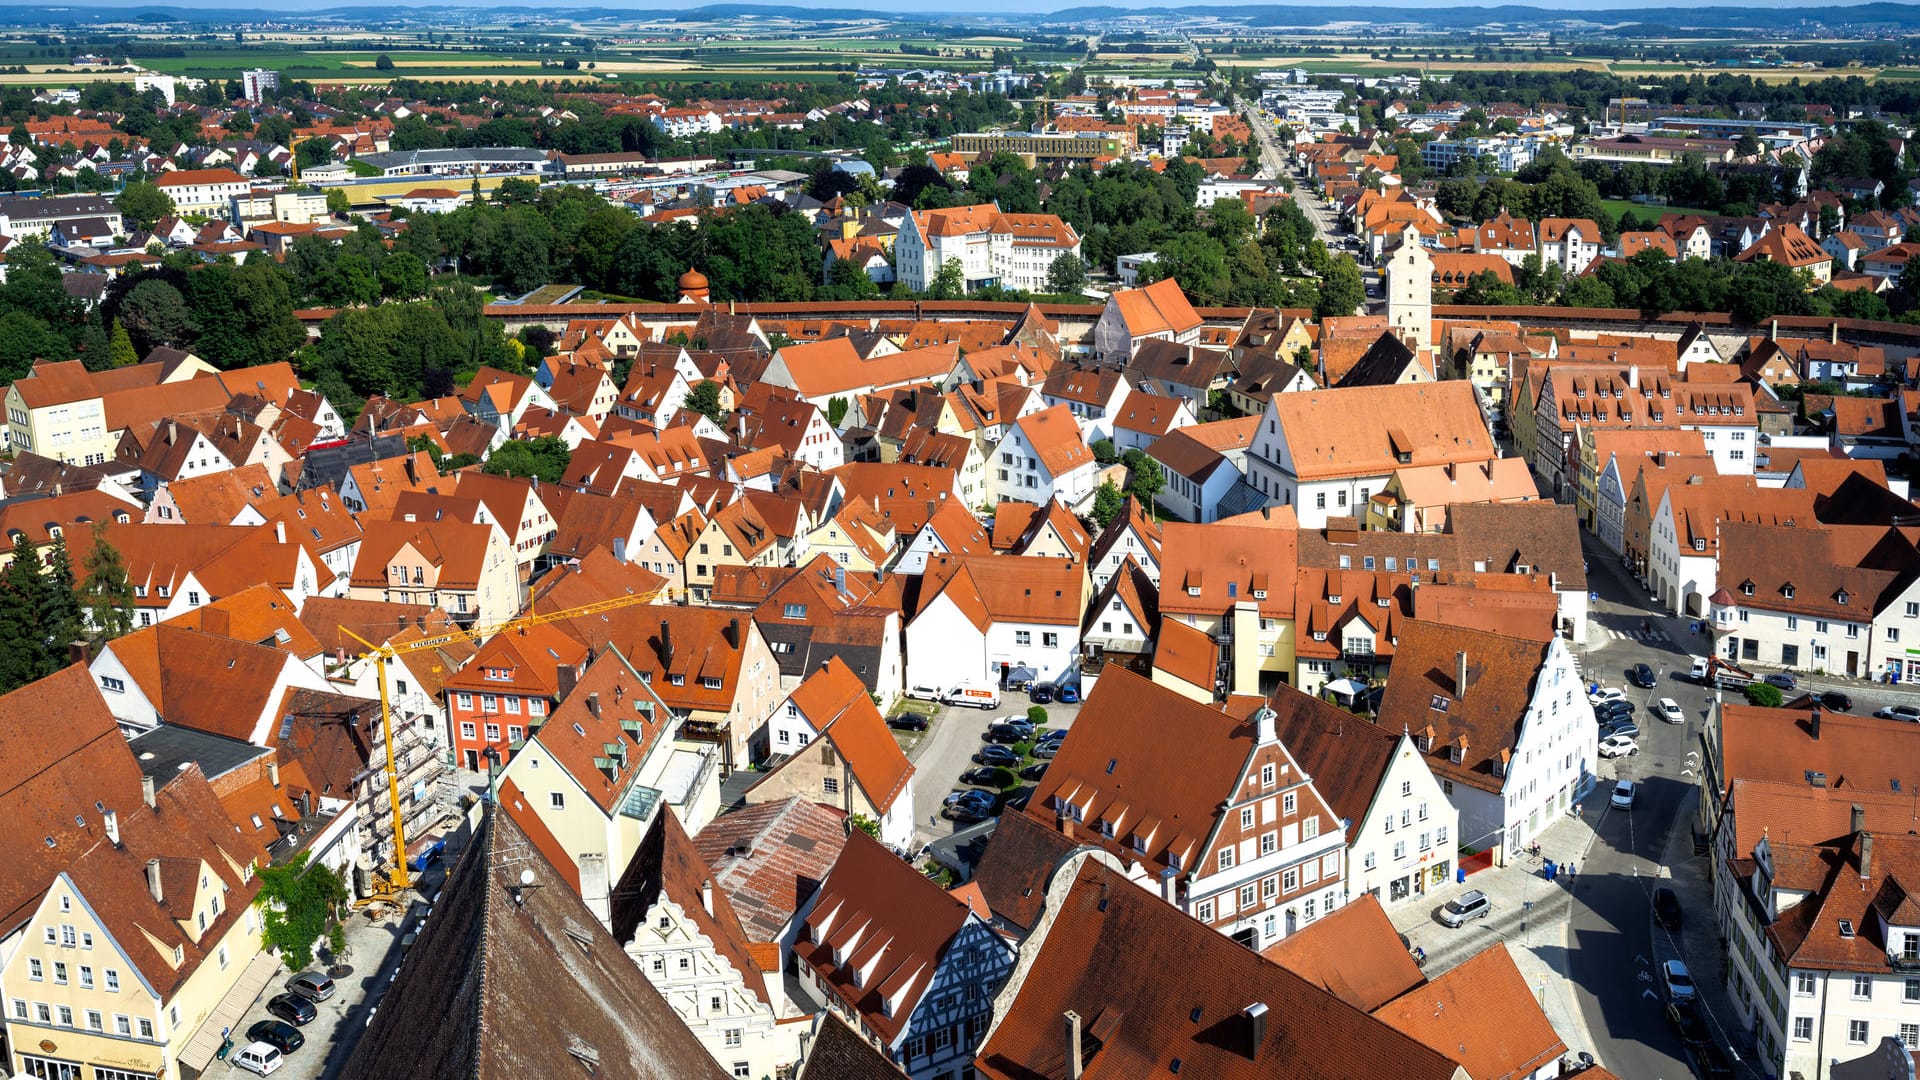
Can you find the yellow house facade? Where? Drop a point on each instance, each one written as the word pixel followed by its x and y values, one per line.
pixel 131 1004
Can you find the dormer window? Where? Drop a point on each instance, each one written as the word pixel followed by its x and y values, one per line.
pixel 1454 753
pixel 1259 594
pixel 1700 543
pixel 1334 599
pixel 1786 591
pixel 1840 597
pixel 1746 588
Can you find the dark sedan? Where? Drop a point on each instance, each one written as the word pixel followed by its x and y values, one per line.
pixel 1666 907
pixel 278 1034
pixel 907 722
pixel 1040 693
pixel 995 754
pixel 292 1008
pixel 1642 677
pixel 968 813
pixel 1837 701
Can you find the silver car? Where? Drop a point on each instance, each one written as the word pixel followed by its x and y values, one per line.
pixel 1464 908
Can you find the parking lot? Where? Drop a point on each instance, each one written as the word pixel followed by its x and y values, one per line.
pixel 947 750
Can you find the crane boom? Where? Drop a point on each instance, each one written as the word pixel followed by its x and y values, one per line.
pixel 382 655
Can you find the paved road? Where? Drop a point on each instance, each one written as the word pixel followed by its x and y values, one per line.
pixel 1615 951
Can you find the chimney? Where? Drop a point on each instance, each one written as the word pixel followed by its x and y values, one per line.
pixel 1858 821
pixel 593 703
pixel 593 886
pixel 78 652
pixel 146 791
pixel 666 642
pixel 112 820
pixel 1170 886
pixel 733 633
pixel 413 471
pixel 1460 674
pixel 1833 333
pixel 1866 855
pixel 273 773
pixel 279 532
pixel 1076 1065
pixel 706 895
pixel 567 679
pixel 1264 725
pixel 1256 1015
pixel 1813 721
pixel 153 881
pixel 173 432
pixel 1063 822
pixel 1773 329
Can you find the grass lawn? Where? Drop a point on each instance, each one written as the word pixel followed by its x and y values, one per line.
pixel 1643 211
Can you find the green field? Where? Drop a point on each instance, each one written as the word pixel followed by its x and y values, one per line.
pixel 1645 211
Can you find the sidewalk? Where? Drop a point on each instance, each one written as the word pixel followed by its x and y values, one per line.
pixel 1529 913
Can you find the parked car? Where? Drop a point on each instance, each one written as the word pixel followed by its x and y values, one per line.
pixel 1670 711
pixel 1837 701
pixel 278 1034
pixel 907 721
pixel 968 795
pixel 1045 750
pixel 984 776
pixel 1003 733
pixel 1620 727
pixel 1618 746
pixel 1019 723
pixel 1678 981
pixel 1642 677
pixel 995 754
pixel 1606 694
pixel 1052 735
pixel 292 1008
pixel 1040 693
pixel 1623 795
pixel 1069 694
pixel 312 985
pixel 968 813
pixel 1908 713
pixel 924 693
pixel 1712 1061
pixel 1034 771
pixel 258 1058
pixel 1666 908
pixel 1782 679
pixel 1465 908
pixel 1687 1022
pixel 1615 709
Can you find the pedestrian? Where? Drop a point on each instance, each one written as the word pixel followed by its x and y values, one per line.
pixel 1571 871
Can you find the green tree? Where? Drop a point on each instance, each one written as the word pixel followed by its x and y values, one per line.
pixel 1342 290
pixel 143 203
pixel 704 399
pixel 1104 452
pixel 1066 274
pixel 865 824
pixel 23 650
pixel 121 348
pixel 836 411
pixel 155 314
pixel 545 457
pixel 383 62
pixel 1148 479
pixel 105 596
pixel 338 201
pixel 60 622
pixel 312 152
pixel 949 282
pixel 24 340
pixel 403 276
pixel 297 902
pixel 1107 503
pixel 1767 697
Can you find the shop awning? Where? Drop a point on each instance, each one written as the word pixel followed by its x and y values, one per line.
pixel 226 1016
pixel 1347 687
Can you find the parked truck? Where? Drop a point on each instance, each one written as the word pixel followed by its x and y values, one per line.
pixel 1714 672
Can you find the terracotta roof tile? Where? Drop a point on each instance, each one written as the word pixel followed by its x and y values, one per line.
pixel 770 858
pixel 1353 953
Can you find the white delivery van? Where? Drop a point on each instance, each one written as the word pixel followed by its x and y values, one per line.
pixel 978 695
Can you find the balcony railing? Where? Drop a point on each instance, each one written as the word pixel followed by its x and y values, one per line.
pixel 1903 961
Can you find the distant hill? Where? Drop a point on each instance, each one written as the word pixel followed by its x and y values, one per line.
pixel 1862 16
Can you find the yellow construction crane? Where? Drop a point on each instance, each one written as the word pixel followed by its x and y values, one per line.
pixel 382 655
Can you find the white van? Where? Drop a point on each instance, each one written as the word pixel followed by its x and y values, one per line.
pixel 258 1058
pixel 975 694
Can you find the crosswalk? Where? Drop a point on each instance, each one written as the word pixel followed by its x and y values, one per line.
pixel 1636 634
